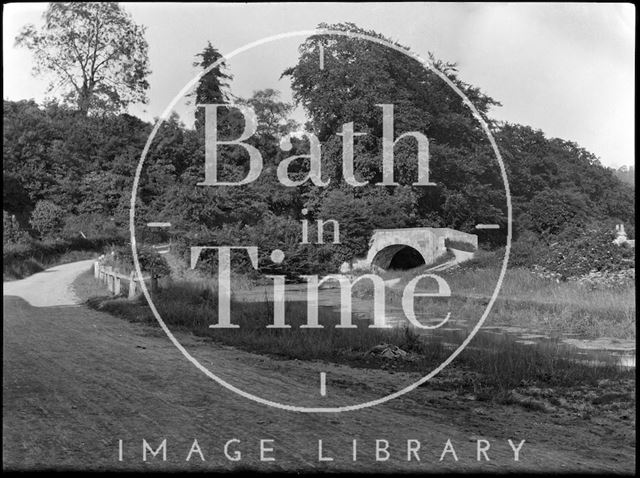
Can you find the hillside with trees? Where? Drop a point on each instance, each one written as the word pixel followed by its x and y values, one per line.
pixel 69 164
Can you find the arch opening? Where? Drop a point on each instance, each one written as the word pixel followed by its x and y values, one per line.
pixel 398 257
pixel 406 258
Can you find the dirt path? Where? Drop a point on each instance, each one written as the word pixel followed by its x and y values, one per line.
pixel 49 288
pixel 76 381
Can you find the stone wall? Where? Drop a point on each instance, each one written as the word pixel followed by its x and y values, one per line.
pixel 428 241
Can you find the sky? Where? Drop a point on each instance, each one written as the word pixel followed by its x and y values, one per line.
pixel 567 69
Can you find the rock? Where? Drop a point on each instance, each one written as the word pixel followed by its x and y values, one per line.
pixel 388 351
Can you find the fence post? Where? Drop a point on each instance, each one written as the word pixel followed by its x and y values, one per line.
pixel 110 280
pixel 96 269
pixel 112 277
pixel 132 285
pixel 116 285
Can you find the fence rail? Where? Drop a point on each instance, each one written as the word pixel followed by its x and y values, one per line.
pixel 114 279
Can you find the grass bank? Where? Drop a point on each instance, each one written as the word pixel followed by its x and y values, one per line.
pixel 494 368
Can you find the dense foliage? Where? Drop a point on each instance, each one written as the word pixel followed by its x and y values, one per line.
pixel 121 259
pixel 81 167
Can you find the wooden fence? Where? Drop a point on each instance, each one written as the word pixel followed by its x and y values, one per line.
pixel 114 279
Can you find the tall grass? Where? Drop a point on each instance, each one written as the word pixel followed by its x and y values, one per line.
pixel 498 365
pixel 528 300
pixel 192 306
pixel 502 365
pixel 199 279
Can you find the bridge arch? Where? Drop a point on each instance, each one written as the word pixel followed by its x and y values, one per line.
pixel 407 248
pixel 398 256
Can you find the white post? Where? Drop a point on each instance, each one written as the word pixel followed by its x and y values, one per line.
pixel 132 285
pixel 116 285
pixel 96 269
pixel 110 278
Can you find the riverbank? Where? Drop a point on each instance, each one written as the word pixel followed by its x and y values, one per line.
pixel 494 368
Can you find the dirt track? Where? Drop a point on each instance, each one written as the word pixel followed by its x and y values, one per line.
pixel 76 381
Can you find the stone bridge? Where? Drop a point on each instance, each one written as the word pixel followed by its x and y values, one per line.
pixel 410 247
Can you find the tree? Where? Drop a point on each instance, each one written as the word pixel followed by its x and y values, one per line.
pixel 213 86
pixel 96 52
pixel 15 198
pixel 535 163
pixel 626 174
pixel 271 113
pixel 359 75
pixel 551 211
pixel 84 163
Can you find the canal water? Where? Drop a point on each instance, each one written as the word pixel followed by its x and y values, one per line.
pixel 592 351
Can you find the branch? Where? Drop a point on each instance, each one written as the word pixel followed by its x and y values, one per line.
pixel 78 56
pixel 60 67
pixel 95 70
pixel 95 50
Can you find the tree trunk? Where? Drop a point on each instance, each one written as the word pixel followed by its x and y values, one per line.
pixel 84 98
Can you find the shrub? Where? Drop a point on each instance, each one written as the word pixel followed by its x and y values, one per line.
pixel 272 232
pixel 121 258
pixel 526 250
pixel 25 258
pixel 592 251
pixel 12 232
pixel 47 219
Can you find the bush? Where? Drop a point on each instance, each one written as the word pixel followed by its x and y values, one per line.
pixel 12 232
pixel 47 219
pixel 526 250
pixel 41 250
pixel 25 258
pixel 592 251
pixel 272 232
pixel 121 258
